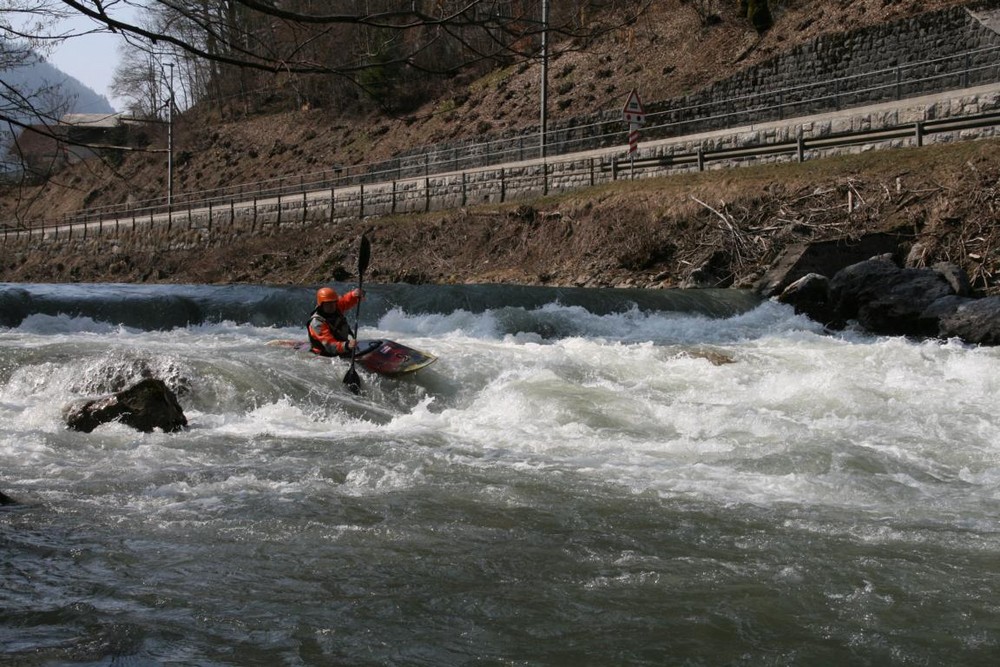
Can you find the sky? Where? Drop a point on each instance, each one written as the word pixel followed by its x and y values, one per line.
pixel 90 58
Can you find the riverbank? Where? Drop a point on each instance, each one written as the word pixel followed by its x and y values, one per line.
pixel 719 229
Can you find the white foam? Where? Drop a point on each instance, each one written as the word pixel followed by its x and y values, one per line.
pixel 762 408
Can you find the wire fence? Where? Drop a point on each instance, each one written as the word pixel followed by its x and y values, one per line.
pixel 936 75
pixel 194 225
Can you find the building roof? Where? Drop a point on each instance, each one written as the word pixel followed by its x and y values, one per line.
pixel 91 119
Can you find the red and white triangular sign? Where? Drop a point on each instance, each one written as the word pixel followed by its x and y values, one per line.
pixel 633 113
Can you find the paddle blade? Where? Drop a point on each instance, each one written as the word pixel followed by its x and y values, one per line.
pixel 352 380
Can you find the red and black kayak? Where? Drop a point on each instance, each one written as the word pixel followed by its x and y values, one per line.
pixel 385 357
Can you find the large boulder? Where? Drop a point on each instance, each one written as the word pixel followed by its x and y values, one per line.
pixel 810 296
pixel 886 299
pixel 826 258
pixel 6 500
pixel 975 321
pixel 144 406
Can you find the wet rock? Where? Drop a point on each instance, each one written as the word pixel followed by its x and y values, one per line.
pixel 6 500
pixel 145 406
pixel 975 321
pixel 810 296
pixel 826 258
pixel 886 299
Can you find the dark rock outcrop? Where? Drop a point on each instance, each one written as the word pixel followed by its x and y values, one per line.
pixel 6 500
pixel 810 296
pixel 826 258
pixel 886 299
pixel 145 406
pixel 973 320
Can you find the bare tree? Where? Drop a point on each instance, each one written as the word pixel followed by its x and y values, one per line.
pixel 332 52
pixel 373 46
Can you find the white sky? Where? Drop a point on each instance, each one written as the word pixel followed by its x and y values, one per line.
pixel 90 58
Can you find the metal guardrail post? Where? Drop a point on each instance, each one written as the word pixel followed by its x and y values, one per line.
pixel 800 148
pixel 361 200
pixel 701 158
pixel 919 133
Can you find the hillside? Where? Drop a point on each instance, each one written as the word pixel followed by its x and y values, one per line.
pixel 712 229
pixel 670 51
pixel 719 228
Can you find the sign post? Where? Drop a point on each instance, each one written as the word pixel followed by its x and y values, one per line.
pixel 635 116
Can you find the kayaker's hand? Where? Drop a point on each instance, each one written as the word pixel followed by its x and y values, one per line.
pixel 351 343
pixel 358 293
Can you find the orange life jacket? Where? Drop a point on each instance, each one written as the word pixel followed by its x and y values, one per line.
pixel 328 334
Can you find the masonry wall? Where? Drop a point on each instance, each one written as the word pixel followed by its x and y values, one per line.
pixel 792 140
pixel 880 60
pixel 415 190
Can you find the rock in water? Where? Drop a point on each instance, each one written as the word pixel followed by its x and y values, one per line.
pixel 144 406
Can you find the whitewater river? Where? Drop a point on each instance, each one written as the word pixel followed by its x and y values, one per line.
pixel 585 477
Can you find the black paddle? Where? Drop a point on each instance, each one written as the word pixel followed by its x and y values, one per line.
pixel 351 378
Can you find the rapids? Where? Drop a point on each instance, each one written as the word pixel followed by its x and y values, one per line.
pixel 585 477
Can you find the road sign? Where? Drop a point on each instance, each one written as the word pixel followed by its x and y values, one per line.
pixel 633 113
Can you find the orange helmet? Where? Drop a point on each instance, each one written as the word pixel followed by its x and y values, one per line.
pixel 324 294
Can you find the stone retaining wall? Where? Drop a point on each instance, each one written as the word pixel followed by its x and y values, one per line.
pixel 920 38
pixel 860 67
pixel 220 224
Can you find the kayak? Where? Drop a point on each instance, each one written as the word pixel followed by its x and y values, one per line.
pixel 385 357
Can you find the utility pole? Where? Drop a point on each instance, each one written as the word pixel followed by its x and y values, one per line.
pixel 170 140
pixel 545 80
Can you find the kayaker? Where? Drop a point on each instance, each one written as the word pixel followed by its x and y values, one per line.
pixel 330 335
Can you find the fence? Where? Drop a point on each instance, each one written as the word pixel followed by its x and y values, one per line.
pixel 933 75
pixel 506 182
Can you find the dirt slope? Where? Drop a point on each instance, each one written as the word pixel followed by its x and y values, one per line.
pixel 717 228
pixel 721 228
pixel 670 51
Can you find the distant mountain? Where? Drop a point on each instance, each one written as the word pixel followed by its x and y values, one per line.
pixel 68 96
pixel 79 97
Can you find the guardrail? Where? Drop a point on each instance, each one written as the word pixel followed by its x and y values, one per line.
pixel 495 184
pixel 948 73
